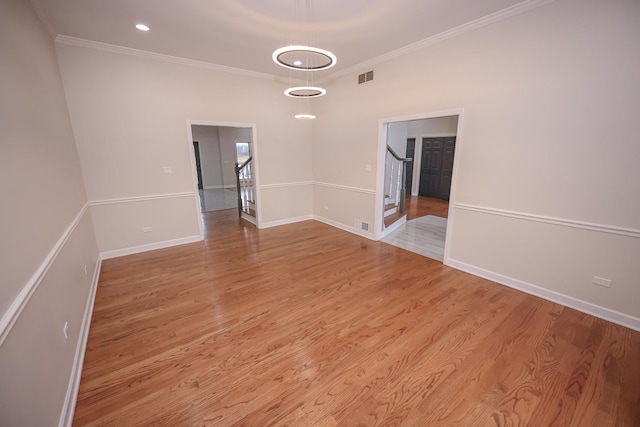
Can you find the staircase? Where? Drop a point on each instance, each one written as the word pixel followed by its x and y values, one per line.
pixel 394 187
pixel 245 185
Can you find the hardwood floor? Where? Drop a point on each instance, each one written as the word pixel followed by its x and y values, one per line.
pixel 308 325
pixel 419 206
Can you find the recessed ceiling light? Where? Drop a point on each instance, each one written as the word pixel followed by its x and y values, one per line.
pixel 305 116
pixel 297 63
pixel 142 27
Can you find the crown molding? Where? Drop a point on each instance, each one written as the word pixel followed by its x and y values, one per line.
pixel 37 7
pixel 106 47
pixel 437 38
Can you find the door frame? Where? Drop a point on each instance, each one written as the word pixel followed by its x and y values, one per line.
pixel 198 165
pixel 382 149
pixel 192 161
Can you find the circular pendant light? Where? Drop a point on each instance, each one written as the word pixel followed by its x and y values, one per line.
pixel 304 58
pixel 305 92
pixel 305 116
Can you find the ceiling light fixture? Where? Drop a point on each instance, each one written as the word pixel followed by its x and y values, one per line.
pixel 305 116
pixel 304 58
pixel 142 27
pixel 305 92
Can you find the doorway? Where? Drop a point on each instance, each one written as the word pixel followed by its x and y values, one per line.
pixel 213 149
pixel 429 142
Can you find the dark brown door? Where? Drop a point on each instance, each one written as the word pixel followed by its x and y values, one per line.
pixel 436 167
pixel 448 148
pixel 431 167
pixel 411 149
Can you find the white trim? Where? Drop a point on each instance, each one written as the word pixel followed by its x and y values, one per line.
pixel 37 7
pixel 280 222
pixel 500 15
pixel 602 228
pixel 344 187
pixel 565 300
pixel 68 409
pixel 343 227
pixel 20 301
pixel 149 247
pixel 287 184
pixel 141 198
pixel 75 41
pixel 393 227
pixel 249 218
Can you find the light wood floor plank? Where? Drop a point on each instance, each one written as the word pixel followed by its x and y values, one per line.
pixel 307 325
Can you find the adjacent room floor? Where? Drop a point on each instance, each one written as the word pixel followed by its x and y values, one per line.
pixel 217 199
pixel 308 325
pixel 426 227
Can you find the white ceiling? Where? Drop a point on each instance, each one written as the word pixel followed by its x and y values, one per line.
pixel 244 33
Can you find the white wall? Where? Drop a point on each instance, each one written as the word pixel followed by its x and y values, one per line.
pixel 441 126
pixel 550 101
pixel 47 236
pixel 130 116
pixel 210 161
pixel 397 137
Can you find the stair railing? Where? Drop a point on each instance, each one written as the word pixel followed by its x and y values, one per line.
pixel 395 179
pixel 244 185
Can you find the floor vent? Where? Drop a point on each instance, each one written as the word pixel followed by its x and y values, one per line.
pixel 360 225
pixel 365 77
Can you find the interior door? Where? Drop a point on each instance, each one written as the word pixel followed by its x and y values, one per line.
pixel 448 148
pixel 411 149
pixel 431 167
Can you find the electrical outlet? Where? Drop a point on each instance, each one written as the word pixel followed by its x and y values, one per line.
pixel 65 330
pixel 601 281
pixel 167 170
pixel 147 229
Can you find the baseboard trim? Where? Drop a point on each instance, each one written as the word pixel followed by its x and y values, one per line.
pixel 286 221
pixel 68 409
pixel 149 247
pixel 249 218
pixel 565 300
pixel 22 299
pixel 343 227
pixel 393 227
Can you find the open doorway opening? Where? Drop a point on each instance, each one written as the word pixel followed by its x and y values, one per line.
pixel 418 181
pixel 224 169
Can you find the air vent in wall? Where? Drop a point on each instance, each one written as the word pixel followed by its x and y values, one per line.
pixel 360 225
pixel 365 77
